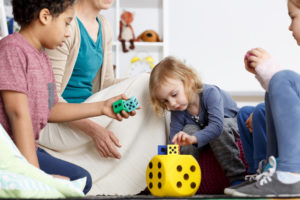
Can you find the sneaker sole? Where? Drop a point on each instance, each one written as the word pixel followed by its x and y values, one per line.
pixel 229 191
pixel 239 194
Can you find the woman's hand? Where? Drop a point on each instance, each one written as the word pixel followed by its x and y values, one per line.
pixel 254 57
pixel 105 142
pixel 182 138
pixel 107 108
pixel 249 123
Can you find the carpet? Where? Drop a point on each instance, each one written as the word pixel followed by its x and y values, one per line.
pixel 210 197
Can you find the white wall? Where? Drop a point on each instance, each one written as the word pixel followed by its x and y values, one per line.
pixel 214 35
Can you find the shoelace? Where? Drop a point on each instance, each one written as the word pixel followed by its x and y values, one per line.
pixel 261 166
pixel 265 177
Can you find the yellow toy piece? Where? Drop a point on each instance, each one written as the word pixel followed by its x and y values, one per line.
pixel 173 175
pixel 173 149
pixel 140 65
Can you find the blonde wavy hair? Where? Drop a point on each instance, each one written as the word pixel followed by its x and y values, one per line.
pixel 170 67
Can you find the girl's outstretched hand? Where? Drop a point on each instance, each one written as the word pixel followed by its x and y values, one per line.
pixel 108 108
pixel 255 57
pixel 182 138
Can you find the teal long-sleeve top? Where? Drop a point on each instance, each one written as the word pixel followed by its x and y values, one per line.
pixel 88 63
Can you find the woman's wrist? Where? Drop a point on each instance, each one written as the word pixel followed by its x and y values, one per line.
pixel 85 125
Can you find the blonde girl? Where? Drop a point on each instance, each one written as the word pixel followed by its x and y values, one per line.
pixel 201 115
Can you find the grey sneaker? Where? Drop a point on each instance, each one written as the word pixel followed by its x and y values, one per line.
pixel 268 185
pixel 248 179
pixel 231 190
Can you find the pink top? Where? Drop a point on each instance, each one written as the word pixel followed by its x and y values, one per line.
pixel 25 69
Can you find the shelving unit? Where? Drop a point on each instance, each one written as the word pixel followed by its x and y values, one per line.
pixel 3 24
pixel 148 15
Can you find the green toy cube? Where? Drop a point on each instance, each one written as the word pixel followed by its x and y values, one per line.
pixel 118 106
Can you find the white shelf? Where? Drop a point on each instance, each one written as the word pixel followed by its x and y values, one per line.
pixel 3 23
pixel 142 9
pixel 142 44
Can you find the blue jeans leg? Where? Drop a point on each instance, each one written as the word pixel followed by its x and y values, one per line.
pixel 52 165
pixel 254 144
pixel 259 134
pixel 246 136
pixel 283 117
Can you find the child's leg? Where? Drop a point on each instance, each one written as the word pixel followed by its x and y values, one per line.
pixel 284 102
pixel 259 134
pixel 52 165
pixel 246 137
pixel 227 152
pixel 271 134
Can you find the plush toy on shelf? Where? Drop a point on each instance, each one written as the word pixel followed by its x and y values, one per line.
pixel 149 36
pixel 126 30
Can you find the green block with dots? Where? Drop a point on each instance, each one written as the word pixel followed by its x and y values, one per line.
pixel 119 105
pixel 173 175
pixel 127 105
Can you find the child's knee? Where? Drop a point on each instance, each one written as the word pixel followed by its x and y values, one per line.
pixel 244 113
pixel 88 184
pixel 259 112
pixel 82 173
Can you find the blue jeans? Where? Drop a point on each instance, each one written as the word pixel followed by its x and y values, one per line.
pixel 283 120
pixel 52 165
pixel 255 143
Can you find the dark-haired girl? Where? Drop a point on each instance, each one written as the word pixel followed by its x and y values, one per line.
pixel 27 85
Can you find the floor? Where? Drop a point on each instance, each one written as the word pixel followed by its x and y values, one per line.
pixel 210 197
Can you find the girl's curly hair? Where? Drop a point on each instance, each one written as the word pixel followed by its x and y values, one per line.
pixel 25 11
pixel 171 67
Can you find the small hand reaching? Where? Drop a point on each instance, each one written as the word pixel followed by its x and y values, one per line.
pixel 182 138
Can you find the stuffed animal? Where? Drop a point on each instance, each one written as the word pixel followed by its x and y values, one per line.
pixel 126 30
pixel 149 36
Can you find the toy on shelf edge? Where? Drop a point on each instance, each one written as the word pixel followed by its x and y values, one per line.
pixel 173 175
pixel 126 30
pixel 149 36
pixel 148 15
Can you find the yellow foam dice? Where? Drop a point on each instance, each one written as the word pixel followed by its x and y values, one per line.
pixel 173 175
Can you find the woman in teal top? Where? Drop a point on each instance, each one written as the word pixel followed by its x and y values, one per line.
pixel 80 85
